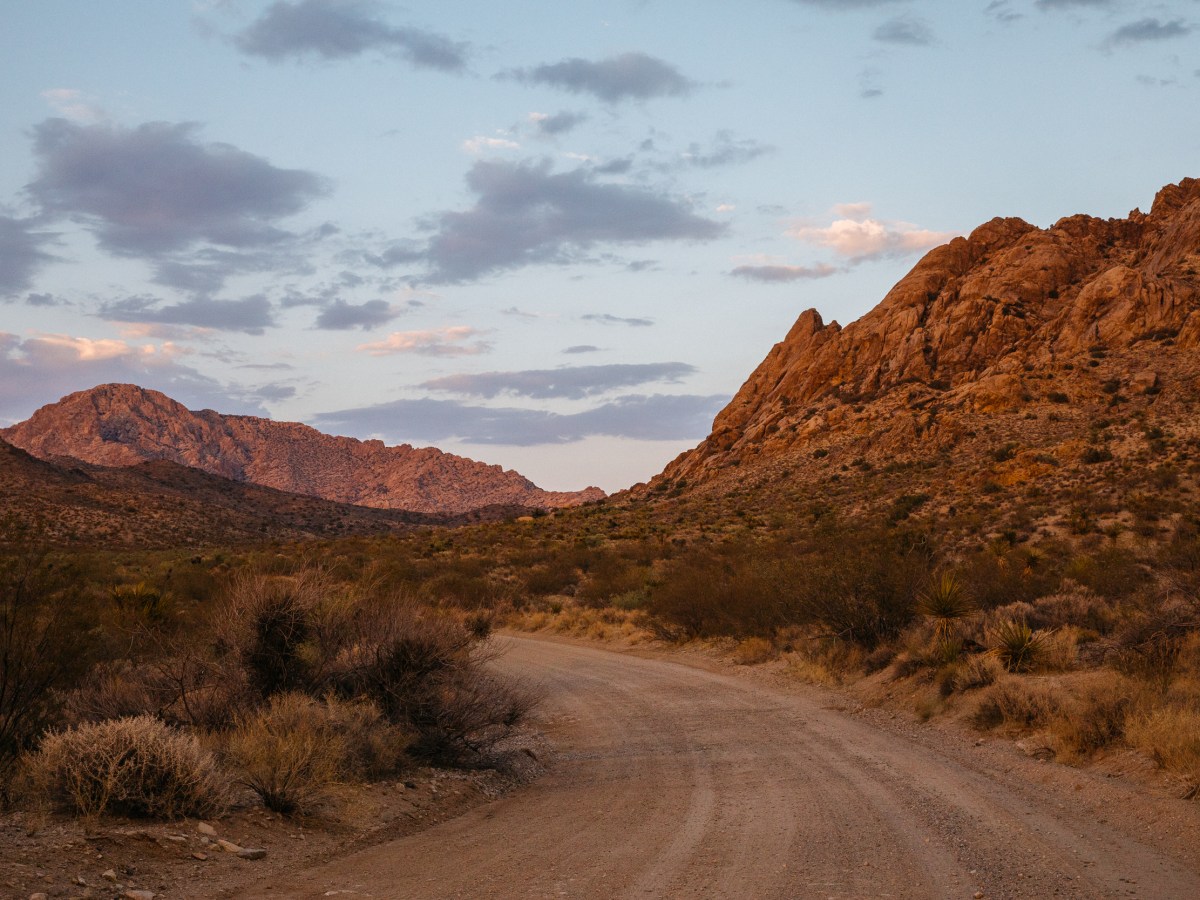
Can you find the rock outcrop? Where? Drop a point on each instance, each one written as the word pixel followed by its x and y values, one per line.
pixel 123 425
pixel 983 325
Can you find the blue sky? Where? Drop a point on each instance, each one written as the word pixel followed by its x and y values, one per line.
pixel 553 236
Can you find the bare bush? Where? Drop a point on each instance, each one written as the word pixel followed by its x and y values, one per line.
pixel 426 671
pixel 1016 702
pixel 134 766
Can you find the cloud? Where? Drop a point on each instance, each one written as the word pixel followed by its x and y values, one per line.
pixel 907 30
pixel 559 123
pixel 396 254
pixel 340 29
pixel 154 189
pixel 859 238
pixel 74 105
pixel 341 316
pixel 868 83
pixel 433 342
pixel 582 348
pixel 570 382
pixel 781 273
pixel 629 76
pixel 1046 5
pixel 478 144
pixel 1144 30
pixel 725 150
pixel 846 4
pixel 640 417
pixel 1003 13
pixel 608 319
pixel 42 300
pixel 38 370
pixel 21 254
pixel 251 315
pixel 527 214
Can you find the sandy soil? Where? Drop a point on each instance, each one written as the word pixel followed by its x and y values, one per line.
pixel 672 778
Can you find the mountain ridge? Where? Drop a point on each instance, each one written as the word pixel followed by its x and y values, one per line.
pixel 123 425
pixel 1101 308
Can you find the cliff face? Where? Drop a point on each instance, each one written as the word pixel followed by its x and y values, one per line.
pixel 123 425
pixel 1010 316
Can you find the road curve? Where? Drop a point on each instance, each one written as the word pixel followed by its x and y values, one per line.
pixel 674 781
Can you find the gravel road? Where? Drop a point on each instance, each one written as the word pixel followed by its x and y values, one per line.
pixel 673 780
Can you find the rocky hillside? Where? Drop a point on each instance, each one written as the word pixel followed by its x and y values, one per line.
pixel 163 504
pixel 123 425
pixel 1014 342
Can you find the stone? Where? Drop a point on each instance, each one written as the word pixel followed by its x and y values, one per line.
pixel 207 830
pixel 200 855
pixel 39 896
pixel 228 846
pixel 132 894
pixel 109 875
pixel 252 853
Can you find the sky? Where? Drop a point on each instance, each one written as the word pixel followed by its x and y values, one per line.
pixel 556 237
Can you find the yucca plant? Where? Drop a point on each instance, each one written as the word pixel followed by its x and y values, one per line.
pixel 1017 645
pixel 944 600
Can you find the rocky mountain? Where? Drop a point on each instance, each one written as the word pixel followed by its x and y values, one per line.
pixel 124 425
pixel 1015 343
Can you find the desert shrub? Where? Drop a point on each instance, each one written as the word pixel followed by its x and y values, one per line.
pixel 134 766
pixel 1094 718
pixel 1151 639
pixel 426 672
pixel 1018 647
pixel 46 644
pixel 1016 702
pixel 460 715
pixel 1171 737
pixel 728 590
pixel 860 587
pixel 1073 605
pixel 944 601
pixel 754 650
pixel 976 671
pixel 288 753
pixel 291 752
pixel 1111 572
pixel 185 690
pixel 285 632
pixel 1001 575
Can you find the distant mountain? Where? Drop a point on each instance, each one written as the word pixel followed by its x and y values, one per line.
pixel 163 504
pixel 1018 355
pixel 124 425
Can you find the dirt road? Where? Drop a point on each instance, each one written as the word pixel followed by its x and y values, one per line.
pixel 674 781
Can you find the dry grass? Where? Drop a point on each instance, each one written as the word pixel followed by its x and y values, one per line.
pixel 1016 703
pixel 1170 735
pixel 297 748
pixel 134 766
pixel 753 651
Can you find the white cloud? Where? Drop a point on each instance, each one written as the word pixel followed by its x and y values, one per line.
pixel 479 143
pixel 433 342
pixel 74 105
pixel 859 237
